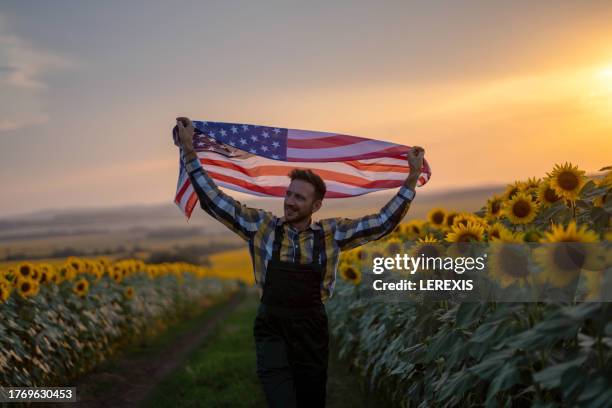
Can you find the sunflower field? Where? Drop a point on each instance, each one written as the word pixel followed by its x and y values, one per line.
pixel 440 352
pixel 61 319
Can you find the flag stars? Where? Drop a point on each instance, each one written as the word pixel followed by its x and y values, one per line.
pixel 243 141
pixel 276 130
pixel 265 134
pixel 264 148
pixel 223 132
pixel 234 129
pixel 253 151
pixel 254 138
pixel 275 156
pixel 275 144
pixel 245 128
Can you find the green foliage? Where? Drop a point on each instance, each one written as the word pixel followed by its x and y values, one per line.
pixel 506 354
pixel 55 336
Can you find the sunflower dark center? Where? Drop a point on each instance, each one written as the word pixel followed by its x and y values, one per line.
pixel 25 287
pixel 81 286
pixel 24 270
pixel 495 234
pixel 416 230
pixel 550 195
pixel 568 181
pixel 450 219
pixel 350 273
pixel 521 209
pixel 512 262
pixel 569 256
pixel 495 207
pixel 467 237
pixel 438 217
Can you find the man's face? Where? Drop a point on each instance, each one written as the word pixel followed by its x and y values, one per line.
pixel 300 201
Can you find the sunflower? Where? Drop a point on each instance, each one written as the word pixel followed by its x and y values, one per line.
pixel 5 292
pixel 512 190
pixel 350 274
pixel 567 181
pixel 27 287
pixel 508 264
pixel 494 207
pixel 151 271
pixel 606 181
pixel 81 287
pixel 464 218
pixel 427 247
pixel 5 289
pixel 117 273
pixel 469 232
pixel 521 209
pixel 546 194
pixel 77 264
pixel 413 228
pixel 533 235
pixel 129 292
pixel 449 220
pixel 46 273
pixel 532 183
pixel 572 249
pixel 531 186
pixel 360 254
pixel 66 272
pixel 436 217
pixel 498 232
pixel 393 246
pixel 25 270
pixel 97 270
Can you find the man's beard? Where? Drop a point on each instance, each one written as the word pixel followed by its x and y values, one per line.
pixel 297 216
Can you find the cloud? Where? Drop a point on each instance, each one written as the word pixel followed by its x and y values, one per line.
pixel 9 124
pixel 24 80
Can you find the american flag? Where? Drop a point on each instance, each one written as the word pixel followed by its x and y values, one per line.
pixel 257 159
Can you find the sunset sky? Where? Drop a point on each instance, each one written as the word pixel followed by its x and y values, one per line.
pixel 494 91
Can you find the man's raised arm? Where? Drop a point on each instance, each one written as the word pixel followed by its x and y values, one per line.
pixel 238 217
pixel 351 233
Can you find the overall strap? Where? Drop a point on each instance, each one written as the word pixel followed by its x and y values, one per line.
pixel 316 246
pixel 318 252
pixel 278 239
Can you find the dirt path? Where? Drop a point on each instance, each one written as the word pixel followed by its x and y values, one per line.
pixel 134 377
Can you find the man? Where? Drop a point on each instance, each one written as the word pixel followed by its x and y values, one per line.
pixel 294 261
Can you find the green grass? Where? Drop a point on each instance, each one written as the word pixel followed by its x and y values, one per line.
pixel 148 347
pixel 221 373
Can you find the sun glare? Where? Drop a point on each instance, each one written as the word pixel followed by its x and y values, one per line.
pixel 604 77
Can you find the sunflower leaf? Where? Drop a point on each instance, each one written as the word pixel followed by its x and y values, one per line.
pixel 551 376
pixel 599 217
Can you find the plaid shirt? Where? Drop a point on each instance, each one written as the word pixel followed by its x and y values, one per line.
pixel 257 226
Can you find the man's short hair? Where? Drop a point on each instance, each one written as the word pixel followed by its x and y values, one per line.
pixel 312 178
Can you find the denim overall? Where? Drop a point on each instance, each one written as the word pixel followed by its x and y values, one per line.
pixel 291 331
